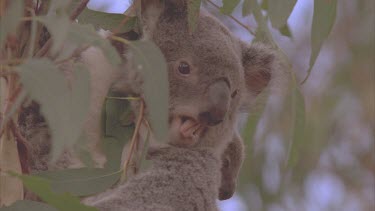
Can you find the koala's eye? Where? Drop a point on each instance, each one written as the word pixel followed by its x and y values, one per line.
pixel 184 68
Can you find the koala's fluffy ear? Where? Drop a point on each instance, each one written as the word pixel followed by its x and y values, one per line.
pixel 259 62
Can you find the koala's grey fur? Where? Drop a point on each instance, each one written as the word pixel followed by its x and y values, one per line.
pixel 182 179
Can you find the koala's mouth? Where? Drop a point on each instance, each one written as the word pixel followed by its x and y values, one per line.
pixel 190 127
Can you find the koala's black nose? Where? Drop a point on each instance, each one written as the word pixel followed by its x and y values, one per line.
pixel 211 118
pixel 224 195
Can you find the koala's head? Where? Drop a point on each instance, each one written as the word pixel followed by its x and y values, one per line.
pixel 211 73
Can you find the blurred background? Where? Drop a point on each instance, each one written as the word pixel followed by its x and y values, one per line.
pixel 330 165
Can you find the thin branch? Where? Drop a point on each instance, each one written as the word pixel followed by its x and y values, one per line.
pixel 79 9
pixel 122 23
pixel 133 142
pixel 233 18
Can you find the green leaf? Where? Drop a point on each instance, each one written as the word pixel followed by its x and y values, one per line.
pixel 10 19
pixel 58 26
pixel 62 202
pixel 64 109
pixel 150 61
pixel 229 6
pixel 285 30
pixel 246 9
pixel 279 11
pixel 23 205
pixel 115 109
pixel 80 182
pixel 83 35
pixel 11 188
pixel 323 20
pixel 107 21
pixel 264 5
pixel 193 14
pixel 296 103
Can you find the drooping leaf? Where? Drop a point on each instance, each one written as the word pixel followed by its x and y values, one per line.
pixel 264 5
pixel 22 205
pixel 150 61
pixel 10 19
pixel 193 14
pixel 115 109
pixel 80 98
pixel 323 19
pixel 64 109
pixel 246 9
pixel 285 30
pixel 107 21
pixel 279 11
pixel 58 26
pixel 296 103
pixel 229 6
pixel 61 201
pixel 263 33
pixel 11 188
pixel 83 35
pixel 80 182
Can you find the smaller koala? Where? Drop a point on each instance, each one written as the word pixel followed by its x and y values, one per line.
pixel 180 178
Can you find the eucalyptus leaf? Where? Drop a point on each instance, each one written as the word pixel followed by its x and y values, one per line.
pixel 298 121
pixel 10 19
pixel 229 6
pixel 279 11
pixel 11 188
pixel 115 110
pixel 85 35
pixel 246 9
pixel 285 30
pixel 323 19
pixel 80 182
pixel 107 21
pixel 64 109
pixel 61 201
pixel 149 60
pixel 23 205
pixel 58 26
pixel 193 14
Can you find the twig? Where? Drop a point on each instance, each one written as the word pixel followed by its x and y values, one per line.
pixel 233 18
pixel 79 9
pixel 133 142
pixel 123 22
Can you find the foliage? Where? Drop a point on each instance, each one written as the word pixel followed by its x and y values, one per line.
pixel 63 31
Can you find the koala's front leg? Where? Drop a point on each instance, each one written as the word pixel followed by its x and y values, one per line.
pixel 232 159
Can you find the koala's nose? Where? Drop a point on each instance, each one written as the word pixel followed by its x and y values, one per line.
pixel 225 194
pixel 217 99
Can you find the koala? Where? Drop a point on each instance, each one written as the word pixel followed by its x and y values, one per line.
pixel 213 76
pixel 180 179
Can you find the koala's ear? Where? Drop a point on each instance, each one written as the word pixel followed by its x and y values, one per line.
pixel 259 62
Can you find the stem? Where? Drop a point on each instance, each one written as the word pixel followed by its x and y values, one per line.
pixel 79 9
pixel 233 18
pixel 133 142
